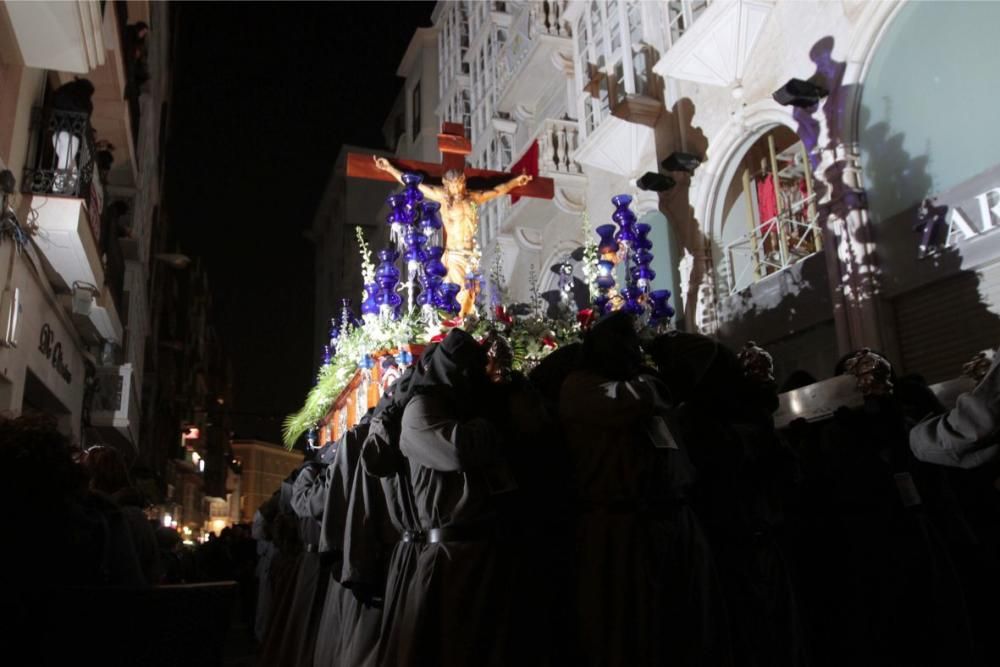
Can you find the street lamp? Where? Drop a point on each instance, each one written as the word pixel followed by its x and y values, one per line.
pixel 654 182
pixel 799 93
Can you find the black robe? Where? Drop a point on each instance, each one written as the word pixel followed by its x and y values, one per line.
pixel 282 639
pixel 382 460
pixel 456 604
pixel 744 477
pixel 617 588
pixel 441 466
pixel 880 584
pixel 311 576
pixel 538 524
pixel 348 629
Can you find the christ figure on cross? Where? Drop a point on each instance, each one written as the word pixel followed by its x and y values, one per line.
pixel 460 219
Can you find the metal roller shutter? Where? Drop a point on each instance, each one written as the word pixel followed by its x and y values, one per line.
pixel 942 325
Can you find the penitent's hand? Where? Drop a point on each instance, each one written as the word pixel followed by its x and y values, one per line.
pixel 382 163
pixel 522 180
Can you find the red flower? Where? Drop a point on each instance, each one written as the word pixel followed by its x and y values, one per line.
pixel 549 342
pixel 503 316
pixel 449 324
pixel 586 318
pixel 438 338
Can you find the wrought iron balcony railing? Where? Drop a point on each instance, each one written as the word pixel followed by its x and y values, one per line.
pixel 61 159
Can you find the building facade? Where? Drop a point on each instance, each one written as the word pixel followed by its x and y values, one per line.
pixel 263 467
pixel 505 73
pixel 860 217
pixel 75 299
pixel 807 225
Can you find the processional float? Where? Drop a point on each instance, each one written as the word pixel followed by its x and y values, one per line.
pixel 428 281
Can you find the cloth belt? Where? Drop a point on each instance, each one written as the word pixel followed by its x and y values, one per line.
pixel 477 533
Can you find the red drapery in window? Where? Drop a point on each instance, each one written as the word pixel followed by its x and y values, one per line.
pixel 528 164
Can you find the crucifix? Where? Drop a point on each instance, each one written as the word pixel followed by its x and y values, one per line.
pixel 458 203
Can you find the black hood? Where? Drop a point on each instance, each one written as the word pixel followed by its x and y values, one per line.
pixel 612 347
pixel 455 367
pixel 702 371
pixel 550 373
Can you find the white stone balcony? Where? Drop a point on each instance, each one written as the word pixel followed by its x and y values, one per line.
pixel 527 63
pixel 58 36
pixel 68 238
pixel 557 144
pixel 620 147
pixel 710 42
pixel 115 408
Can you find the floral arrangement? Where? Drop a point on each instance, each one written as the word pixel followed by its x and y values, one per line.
pixel 429 312
pixel 590 258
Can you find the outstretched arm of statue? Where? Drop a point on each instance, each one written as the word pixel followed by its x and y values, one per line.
pixel 502 189
pixel 384 165
pixel 428 191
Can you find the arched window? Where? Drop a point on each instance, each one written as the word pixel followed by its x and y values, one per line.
pixel 769 219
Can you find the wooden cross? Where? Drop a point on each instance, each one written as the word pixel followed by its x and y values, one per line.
pixel 454 147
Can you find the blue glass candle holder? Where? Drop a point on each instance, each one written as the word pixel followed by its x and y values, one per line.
pixel 633 304
pixel 607 245
pixel 433 266
pixel 387 275
pixel 430 219
pixel 627 234
pixel 389 303
pixel 369 306
pixel 642 241
pixel 445 298
pixel 661 310
pixel 643 276
pixel 412 179
pixel 621 201
pixel 396 203
pixel 414 254
pixel 605 274
pixel 642 256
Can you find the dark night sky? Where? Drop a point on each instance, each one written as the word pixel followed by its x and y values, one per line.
pixel 264 95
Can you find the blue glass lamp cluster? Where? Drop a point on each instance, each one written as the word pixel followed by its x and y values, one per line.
pixel 414 226
pixel 629 243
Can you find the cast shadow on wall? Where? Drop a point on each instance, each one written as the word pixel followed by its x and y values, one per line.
pixel 675 205
pixel 869 255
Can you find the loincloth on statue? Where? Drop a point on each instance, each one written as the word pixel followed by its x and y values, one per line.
pixel 463 261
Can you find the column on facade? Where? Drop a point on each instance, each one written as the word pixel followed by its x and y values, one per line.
pixel 851 257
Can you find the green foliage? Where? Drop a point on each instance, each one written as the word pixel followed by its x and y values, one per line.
pixel 531 338
pixel 352 346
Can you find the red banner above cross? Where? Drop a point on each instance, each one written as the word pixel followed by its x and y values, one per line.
pixel 454 146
